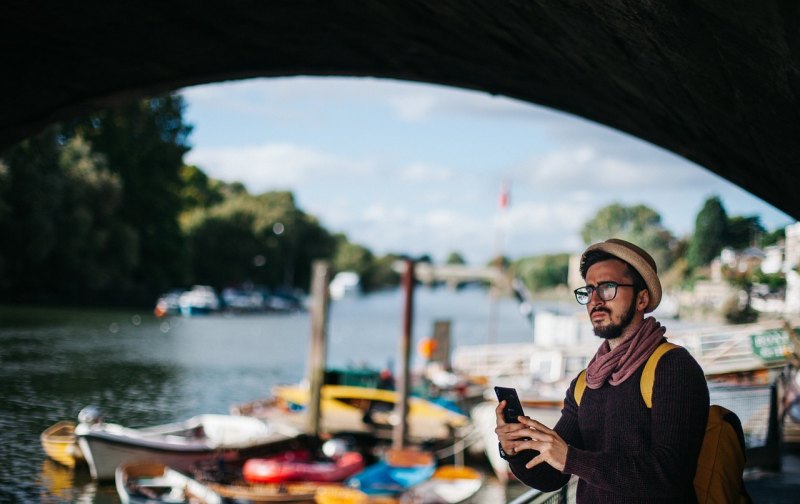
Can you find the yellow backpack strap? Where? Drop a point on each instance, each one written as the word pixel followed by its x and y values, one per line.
pixel 649 373
pixel 580 386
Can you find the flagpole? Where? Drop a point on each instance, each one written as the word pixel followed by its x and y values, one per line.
pixel 498 259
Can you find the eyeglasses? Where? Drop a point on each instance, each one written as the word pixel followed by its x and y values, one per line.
pixel 605 290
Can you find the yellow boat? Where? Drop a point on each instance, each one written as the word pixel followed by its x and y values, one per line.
pixel 59 443
pixel 359 409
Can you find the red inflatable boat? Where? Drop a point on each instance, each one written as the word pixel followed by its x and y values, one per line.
pixel 300 466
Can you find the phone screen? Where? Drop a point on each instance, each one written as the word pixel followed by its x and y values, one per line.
pixel 513 407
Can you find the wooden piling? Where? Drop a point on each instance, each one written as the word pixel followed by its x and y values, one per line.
pixel 320 298
pixel 400 432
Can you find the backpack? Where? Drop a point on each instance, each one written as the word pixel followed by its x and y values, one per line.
pixel 718 478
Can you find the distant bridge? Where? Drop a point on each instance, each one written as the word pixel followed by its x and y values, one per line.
pixel 455 274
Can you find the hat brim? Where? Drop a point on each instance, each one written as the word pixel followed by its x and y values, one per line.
pixel 638 263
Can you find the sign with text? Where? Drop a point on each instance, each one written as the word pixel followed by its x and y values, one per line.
pixel 771 345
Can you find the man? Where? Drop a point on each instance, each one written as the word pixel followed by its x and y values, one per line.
pixel 621 451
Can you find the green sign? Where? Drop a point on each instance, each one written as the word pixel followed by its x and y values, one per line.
pixel 771 345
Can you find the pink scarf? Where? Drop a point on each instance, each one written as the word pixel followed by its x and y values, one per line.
pixel 619 364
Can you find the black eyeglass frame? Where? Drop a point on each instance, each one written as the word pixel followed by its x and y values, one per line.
pixel 588 290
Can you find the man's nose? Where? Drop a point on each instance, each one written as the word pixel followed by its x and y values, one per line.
pixel 592 295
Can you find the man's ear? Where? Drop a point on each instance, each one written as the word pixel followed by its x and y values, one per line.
pixel 643 299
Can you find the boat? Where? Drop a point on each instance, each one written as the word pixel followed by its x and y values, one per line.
pixel 274 492
pixel 200 299
pixel 449 485
pixel 345 495
pixel 243 300
pixel 154 483
pixel 345 284
pixel 168 304
pixel 398 471
pixel 301 465
pixel 361 410
pixel 59 443
pixel 181 445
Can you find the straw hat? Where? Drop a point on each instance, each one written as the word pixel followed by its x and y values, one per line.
pixel 640 260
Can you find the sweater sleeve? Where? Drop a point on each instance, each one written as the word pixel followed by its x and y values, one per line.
pixel 544 477
pixel 677 424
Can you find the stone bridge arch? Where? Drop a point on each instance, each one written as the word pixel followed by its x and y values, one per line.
pixel 712 81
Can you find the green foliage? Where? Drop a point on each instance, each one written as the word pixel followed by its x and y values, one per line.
pixel 375 273
pixel 542 272
pixel 197 190
pixel 64 209
pixel 262 239
pixel 638 224
pixel 710 233
pixel 144 142
pixel 773 281
pixel 773 237
pixel 455 258
pixel 743 232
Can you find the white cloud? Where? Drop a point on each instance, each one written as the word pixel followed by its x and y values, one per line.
pixel 271 166
pixel 424 172
pixel 412 107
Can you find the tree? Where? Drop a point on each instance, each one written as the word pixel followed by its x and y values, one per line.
pixel 262 239
pixel 743 232
pixel 455 258
pixel 773 237
pixel 710 233
pixel 542 272
pixel 144 142
pixel 198 190
pixel 638 224
pixel 64 209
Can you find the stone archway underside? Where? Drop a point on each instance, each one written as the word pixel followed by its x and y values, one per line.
pixel 714 81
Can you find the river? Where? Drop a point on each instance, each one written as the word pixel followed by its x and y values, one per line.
pixel 141 370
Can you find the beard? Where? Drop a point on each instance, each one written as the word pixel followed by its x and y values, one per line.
pixel 613 330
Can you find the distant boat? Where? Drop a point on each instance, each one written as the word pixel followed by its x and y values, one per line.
pixel 181 445
pixel 168 304
pixel 345 283
pixel 154 483
pixel 243 300
pixel 200 299
pixel 60 444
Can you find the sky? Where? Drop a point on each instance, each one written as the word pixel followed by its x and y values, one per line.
pixel 413 168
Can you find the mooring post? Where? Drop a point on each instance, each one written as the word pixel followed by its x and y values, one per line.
pixel 321 275
pixel 399 434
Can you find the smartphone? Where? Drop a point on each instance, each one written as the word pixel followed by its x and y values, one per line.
pixel 513 407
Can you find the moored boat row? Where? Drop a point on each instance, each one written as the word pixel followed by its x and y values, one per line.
pixel 212 458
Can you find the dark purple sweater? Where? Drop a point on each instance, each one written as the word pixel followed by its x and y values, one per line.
pixel 624 452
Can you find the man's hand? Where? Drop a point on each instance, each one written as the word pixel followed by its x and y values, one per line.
pixel 530 434
pixel 552 449
pixel 510 435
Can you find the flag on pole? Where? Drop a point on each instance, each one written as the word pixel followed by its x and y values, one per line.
pixel 505 196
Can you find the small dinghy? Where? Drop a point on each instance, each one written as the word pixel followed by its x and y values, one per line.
pixel 60 444
pixel 154 483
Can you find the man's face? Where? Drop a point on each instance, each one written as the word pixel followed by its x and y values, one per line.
pixel 610 318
